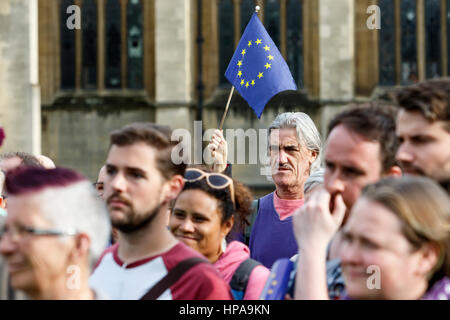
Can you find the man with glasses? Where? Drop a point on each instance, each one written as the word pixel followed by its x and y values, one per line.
pixel 55 230
pixel 9 161
pixel 148 262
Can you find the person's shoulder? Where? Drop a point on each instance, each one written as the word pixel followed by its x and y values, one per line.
pixel 178 253
pixel 200 282
pixel 109 250
pixel 267 196
pixel 205 283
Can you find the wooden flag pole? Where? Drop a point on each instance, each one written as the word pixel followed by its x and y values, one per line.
pixel 226 108
pixel 257 8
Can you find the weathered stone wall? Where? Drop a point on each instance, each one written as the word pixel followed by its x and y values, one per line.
pixel 75 132
pixel 75 126
pixel 336 49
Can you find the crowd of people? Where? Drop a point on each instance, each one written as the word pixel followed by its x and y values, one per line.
pixel 363 214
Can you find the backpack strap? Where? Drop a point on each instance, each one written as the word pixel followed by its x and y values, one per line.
pixel 241 276
pixel 252 218
pixel 171 277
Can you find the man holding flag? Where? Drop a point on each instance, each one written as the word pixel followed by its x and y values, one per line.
pixel 258 72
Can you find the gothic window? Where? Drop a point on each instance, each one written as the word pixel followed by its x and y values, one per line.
pixel 135 45
pixel 67 43
pixel 411 40
pixel 89 40
pixel 247 9
pixel 409 72
pixel 387 43
pixel 294 35
pixel 433 38
pixel 272 20
pixel 226 37
pixel 447 18
pixel 113 44
pixel 107 52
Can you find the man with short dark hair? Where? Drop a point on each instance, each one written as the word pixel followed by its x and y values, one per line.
pixel 141 180
pixel 423 129
pixel 360 149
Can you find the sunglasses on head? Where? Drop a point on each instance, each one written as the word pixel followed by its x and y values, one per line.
pixel 214 180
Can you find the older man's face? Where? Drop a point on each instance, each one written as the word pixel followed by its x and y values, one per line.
pixel 290 161
pixel 35 262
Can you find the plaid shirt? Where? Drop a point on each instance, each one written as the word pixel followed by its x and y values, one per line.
pixel 335 280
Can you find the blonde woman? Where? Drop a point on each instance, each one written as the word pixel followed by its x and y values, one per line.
pixel 395 243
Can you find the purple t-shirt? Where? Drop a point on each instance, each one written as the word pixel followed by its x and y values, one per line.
pixel 271 238
pixel 439 291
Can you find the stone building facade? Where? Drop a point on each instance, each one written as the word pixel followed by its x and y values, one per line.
pixel 62 91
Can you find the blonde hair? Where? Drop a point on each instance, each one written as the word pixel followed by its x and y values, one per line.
pixel 424 209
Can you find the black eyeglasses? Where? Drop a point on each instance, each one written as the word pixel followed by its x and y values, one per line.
pixel 214 180
pixel 19 231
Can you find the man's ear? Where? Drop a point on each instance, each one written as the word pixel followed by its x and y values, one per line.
pixel 82 245
pixel 394 171
pixel 227 226
pixel 174 187
pixel 313 157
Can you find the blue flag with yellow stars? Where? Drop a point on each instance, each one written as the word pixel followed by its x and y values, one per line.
pixel 257 69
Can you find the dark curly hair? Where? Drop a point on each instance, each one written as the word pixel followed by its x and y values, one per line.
pixel 431 98
pixel 243 200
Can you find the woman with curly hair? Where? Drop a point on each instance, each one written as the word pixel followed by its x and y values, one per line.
pixel 210 206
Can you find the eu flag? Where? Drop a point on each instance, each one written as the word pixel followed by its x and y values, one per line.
pixel 257 69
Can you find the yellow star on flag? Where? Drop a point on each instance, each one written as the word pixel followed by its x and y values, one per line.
pixel 239 73
pixel 268 65
pixel 260 75
pixel 247 85
pixel 267 48
pixel 239 63
pixel 258 41
pixel 242 82
pixel 249 43
pixel 253 82
pixel 270 57
pixel 243 52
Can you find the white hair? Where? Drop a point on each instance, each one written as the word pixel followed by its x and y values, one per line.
pixel 78 207
pixel 315 179
pixel 307 133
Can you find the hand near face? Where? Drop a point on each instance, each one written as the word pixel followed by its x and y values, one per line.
pixel 218 148
pixel 314 223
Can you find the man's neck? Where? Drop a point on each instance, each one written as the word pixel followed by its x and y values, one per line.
pixel 290 193
pixel 150 241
